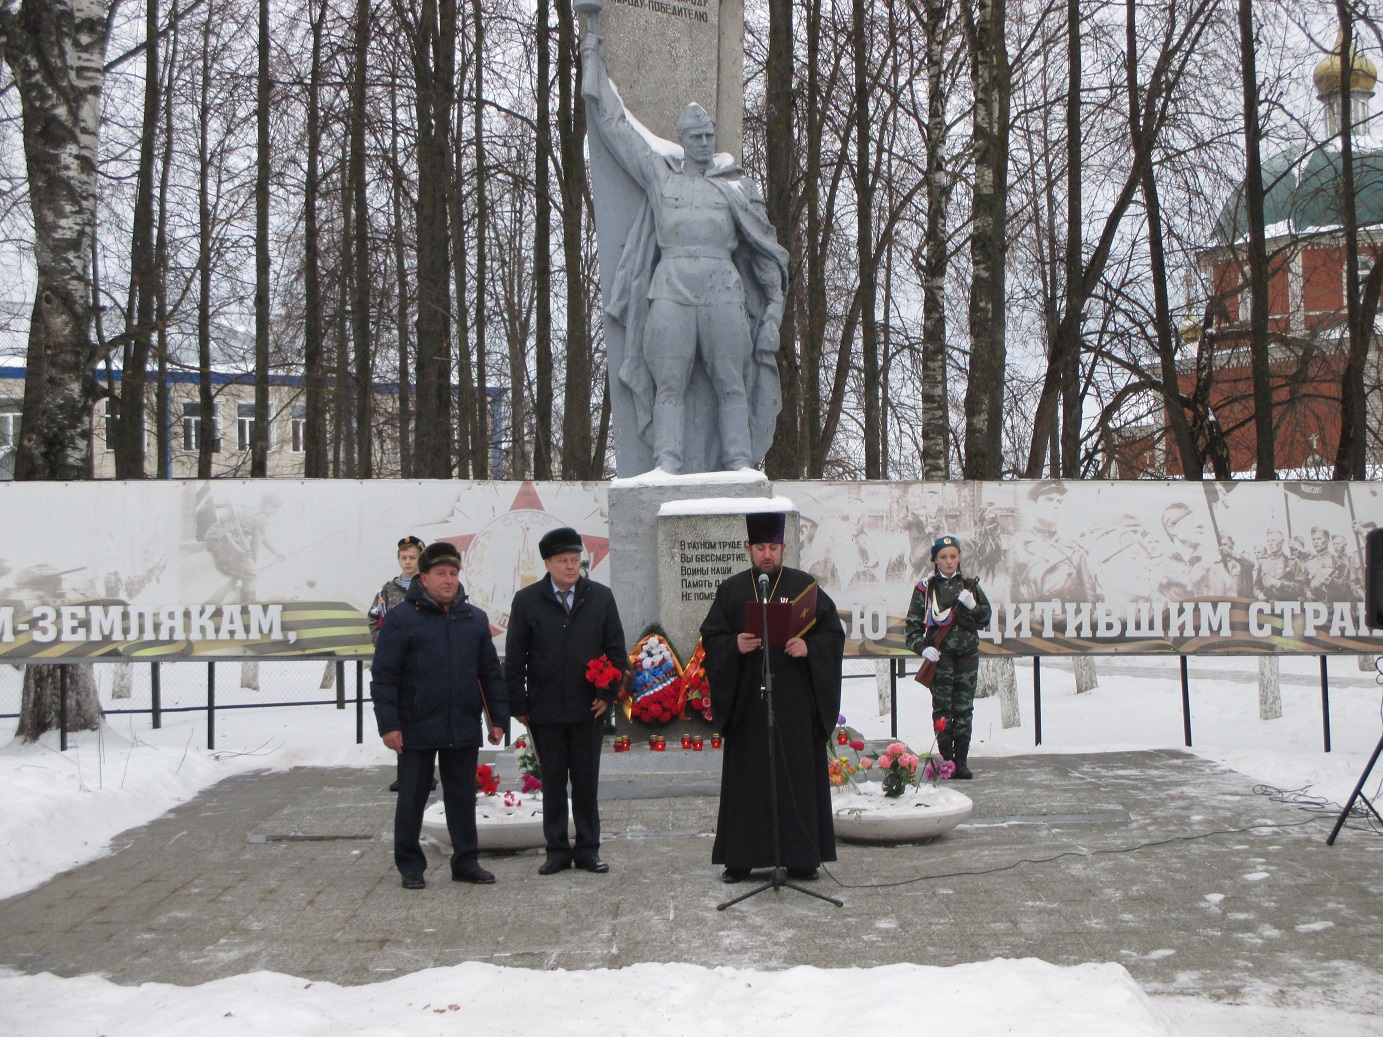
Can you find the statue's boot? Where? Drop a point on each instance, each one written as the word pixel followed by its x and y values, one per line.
pixel 734 436
pixel 668 419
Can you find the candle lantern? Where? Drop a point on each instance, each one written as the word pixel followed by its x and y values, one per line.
pixel 697 743
pixel 715 740
pixel 686 740
pixel 842 737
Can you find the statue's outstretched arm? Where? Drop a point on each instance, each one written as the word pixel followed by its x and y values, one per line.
pixel 631 151
pixel 595 77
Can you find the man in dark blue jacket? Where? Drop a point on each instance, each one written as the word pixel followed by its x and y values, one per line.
pixel 557 626
pixel 436 681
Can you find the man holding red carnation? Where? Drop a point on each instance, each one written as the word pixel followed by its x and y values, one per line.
pixel 564 660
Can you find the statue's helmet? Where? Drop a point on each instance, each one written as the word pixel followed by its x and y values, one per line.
pixel 694 117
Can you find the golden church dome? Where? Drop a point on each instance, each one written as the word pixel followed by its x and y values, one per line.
pixel 1363 74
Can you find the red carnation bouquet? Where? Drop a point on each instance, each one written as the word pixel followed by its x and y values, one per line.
pixel 602 672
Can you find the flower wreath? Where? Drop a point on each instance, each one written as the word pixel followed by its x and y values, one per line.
pixel 696 691
pixel 657 696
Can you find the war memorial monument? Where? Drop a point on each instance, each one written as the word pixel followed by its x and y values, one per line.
pixel 692 286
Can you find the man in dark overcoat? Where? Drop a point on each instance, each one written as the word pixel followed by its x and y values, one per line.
pixel 557 626
pixel 806 701
pixel 436 682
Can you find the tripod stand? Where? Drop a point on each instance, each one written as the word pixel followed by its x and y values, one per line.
pixel 1358 794
pixel 778 877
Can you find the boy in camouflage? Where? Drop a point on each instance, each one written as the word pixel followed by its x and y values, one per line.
pixel 949 607
pixel 393 592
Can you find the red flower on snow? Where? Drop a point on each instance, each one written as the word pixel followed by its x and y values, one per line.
pixel 486 780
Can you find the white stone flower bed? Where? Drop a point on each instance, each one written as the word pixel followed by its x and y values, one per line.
pixel 497 826
pixel 863 814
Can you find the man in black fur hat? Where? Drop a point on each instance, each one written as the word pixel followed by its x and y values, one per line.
pixel 557 626
pixel 806 701
pixel 438 690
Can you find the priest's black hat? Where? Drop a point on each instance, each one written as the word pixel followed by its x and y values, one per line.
pixel 559 542
pixel 766 527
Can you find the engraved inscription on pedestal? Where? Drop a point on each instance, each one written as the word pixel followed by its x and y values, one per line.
pixel 635 562
pixel 703 563
pixel 696 553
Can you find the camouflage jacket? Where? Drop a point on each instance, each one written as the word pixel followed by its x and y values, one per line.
pixel 933 596
pixel 391 594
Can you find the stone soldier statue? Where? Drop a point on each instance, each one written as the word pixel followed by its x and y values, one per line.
pixel 701 279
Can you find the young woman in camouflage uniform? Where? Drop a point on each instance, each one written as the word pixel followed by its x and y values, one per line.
pixel 947 601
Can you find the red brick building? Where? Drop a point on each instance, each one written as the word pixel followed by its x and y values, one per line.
pixel 1306 301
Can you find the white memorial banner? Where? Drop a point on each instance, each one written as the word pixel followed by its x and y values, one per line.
pixel 285 568
pixel 256 569
pixel 1105 567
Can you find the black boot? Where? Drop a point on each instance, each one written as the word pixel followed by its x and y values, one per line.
pixel 962 749
pixel 944 746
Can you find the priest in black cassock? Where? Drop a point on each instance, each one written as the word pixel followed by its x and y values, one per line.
pixel 806 702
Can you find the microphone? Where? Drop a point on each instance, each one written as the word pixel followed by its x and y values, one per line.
pixel 763 586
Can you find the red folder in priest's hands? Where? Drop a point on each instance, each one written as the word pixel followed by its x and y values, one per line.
pixel 786 619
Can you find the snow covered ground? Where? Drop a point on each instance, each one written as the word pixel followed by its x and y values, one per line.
pixel 62 809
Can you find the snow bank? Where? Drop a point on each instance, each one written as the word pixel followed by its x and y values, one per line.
pixel 1025 996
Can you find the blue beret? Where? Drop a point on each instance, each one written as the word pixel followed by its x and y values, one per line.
pixel 945 541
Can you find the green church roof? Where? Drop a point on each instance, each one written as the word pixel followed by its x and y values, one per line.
pixel 1302 193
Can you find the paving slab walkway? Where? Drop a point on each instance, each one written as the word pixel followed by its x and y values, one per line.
pixel 1148 859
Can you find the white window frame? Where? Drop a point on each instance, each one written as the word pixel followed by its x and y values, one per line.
pixel 297 428
pixel 244 427
pixel 10 413
pixel 185 417
pixel 1366 262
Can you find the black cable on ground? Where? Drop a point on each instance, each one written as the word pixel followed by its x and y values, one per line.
pixel 1069 853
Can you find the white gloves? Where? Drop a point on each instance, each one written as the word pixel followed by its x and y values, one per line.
pixel 966 598
pixel 930 654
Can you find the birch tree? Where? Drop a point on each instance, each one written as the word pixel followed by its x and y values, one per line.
pixel 55 49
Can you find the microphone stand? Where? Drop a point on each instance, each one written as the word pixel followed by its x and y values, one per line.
pixel 778 877
pixel 1358 796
